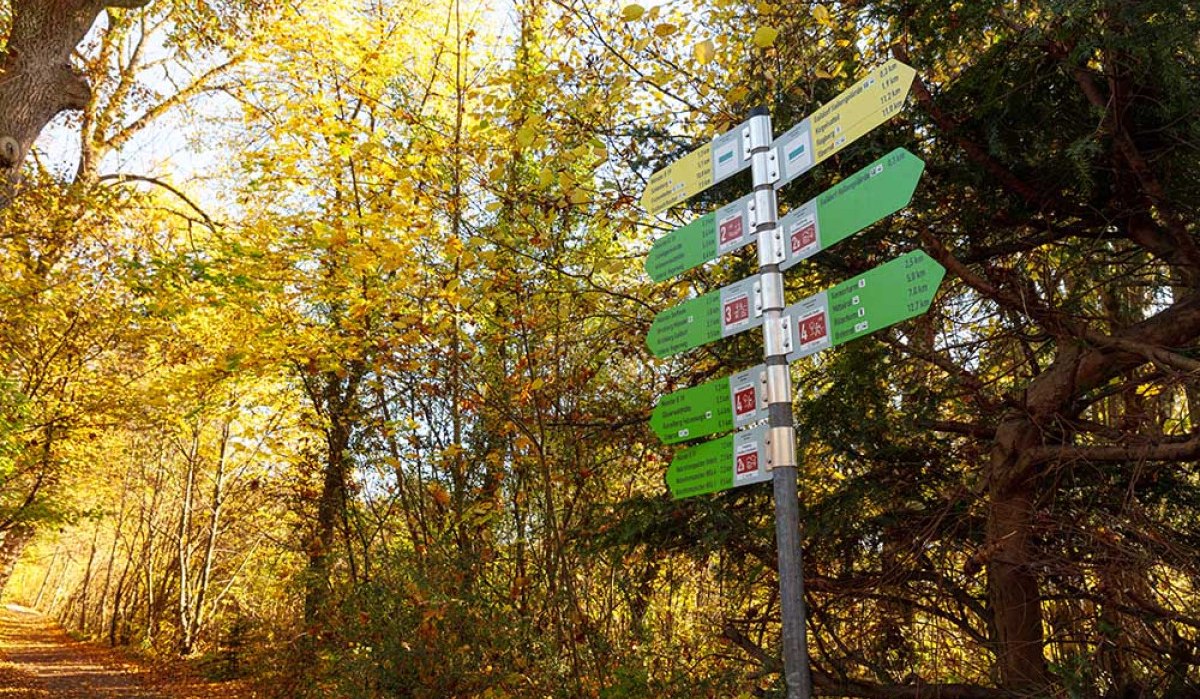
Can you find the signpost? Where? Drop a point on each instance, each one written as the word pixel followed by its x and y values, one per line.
pixel 733 460
pixel 710 408
pixel 867 104
pixel 878 190
pixel 706 238
pixel 879 298
pixel 695 172
pixel 704 319
pixel 762 396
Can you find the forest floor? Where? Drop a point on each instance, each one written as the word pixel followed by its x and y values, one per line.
pixel 38 660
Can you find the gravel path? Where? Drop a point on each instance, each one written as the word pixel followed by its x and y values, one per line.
pixel 38 660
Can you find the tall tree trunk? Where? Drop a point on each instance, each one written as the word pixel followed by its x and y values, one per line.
pixel 1014 479
pixel 335 398
pixel 12 545
pixel 196 623
pixel 1012 579
pixel 183 541
pixel 87 578
pixel 39 80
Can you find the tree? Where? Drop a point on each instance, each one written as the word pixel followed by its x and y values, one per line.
pixel 40 80
pixel 66 242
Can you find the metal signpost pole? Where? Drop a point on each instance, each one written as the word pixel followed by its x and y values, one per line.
pixel 781 439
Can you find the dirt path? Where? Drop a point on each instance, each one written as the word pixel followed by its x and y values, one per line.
pixel 38 660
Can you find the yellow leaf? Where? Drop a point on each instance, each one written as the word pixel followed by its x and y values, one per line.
pixel 525 136
pixel 705 51
pixel 765 37
pixel 633 12
pixel 641 44
pixel 821 14
pixel 665 29
pixel 823 74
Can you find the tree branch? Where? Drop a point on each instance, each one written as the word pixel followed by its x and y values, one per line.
pixel 1187 449
pixel 973 150
pixel 837 687
pixel 121 178
pixel 956 427
pixel 1177 229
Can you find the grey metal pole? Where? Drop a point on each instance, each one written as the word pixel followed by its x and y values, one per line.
pixel 781 439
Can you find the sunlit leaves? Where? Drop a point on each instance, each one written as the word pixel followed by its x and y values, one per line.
pixel 764 37
pixel 665 29
pixel 821 14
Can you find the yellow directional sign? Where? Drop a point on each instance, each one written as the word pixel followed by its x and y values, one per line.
pixel 849 116
pixel 695 172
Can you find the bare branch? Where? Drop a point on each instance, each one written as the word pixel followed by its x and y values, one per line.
pixel 1186 449
pixel 963 428
pixel 121 178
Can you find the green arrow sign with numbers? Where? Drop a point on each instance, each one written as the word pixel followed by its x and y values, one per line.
pixel 881 297
pixel 733 460
pixel 704 319
pixel 878 190
pixel 704 239
pixel 710 408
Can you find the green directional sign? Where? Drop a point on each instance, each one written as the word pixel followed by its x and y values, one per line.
pixel 731 461
pixel 695 172
pixel 704 239
pixel 849 116
pixel 878 190
pixel 704 319
pixel 711 408
pixel 879 298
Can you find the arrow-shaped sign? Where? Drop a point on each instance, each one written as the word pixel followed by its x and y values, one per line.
pixel 706 238
pixel 733 460
pixel 710 408
pixel 864 106
pixel 879 298
pixel 878 190
pixel 695 172
pixel 704 319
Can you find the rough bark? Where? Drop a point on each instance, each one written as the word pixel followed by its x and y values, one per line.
pixel 335 399
pixel 1013 485
pixel 12 544
pixel 37 80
